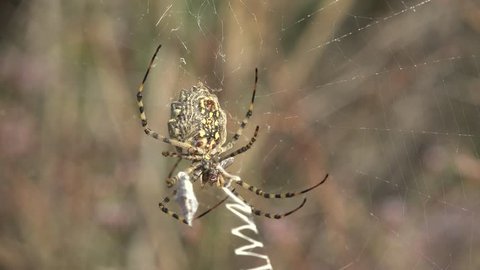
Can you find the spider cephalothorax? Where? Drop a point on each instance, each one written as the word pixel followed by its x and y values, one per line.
pixel 210 174
pixel 198 131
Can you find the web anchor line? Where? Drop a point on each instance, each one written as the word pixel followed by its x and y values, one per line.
pixel 412 8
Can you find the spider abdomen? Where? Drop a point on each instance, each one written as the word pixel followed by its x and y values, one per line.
pixel 197 118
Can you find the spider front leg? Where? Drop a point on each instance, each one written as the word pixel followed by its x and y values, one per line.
pixel 143 117
pixel 248 114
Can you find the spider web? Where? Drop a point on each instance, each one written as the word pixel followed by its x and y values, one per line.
pixel 383 95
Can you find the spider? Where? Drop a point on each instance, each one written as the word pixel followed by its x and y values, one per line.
pixel 197 130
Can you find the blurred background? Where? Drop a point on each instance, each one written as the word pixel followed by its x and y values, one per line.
pixel 382 94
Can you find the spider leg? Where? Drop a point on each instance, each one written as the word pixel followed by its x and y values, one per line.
pixel 261 213
pixel 171 154
pixel 266 195
pixel 143 116
pixel 170 181
pixel 249 112
pixel 255 211
pixel 170 212
pixel 213 207
pixel 191 170
pixel 192 157
pixel 244 148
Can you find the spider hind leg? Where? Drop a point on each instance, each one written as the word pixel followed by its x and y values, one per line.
pixel 261 213
pixel 267 195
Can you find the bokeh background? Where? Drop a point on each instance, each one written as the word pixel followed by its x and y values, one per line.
pixel 384 95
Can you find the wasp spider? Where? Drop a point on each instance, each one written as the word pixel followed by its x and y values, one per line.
pixel 197 130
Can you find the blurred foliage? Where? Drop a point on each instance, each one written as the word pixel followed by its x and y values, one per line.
pixel 390 109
